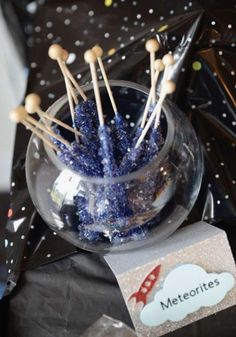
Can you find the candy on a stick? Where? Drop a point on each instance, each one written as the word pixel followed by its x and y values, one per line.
pixel 152 47
pixel 121 132
pixel 103 131
pixel 32 105
pixel 19 115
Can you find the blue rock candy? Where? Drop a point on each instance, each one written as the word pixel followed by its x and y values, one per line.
pixel 106 152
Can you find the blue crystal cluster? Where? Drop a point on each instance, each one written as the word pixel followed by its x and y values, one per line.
pixel 104 211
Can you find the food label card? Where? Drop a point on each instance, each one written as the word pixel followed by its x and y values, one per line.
pixel 189 276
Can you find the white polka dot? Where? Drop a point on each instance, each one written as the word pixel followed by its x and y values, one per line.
pixel 13 184
pixel 209 185
pixel 144 290
pixel 161 18
pixel 151 11
pixel 9 270
pixel 48 255
pixel 172 12
pixel 217 176
pixel 123 57
pixel 218 202
pixel 91 13
pixel 132 38
pixel 49 24
pixel 59 9
pixel 232 44
pixel 126 18
pixel 50 36
pixel 213 23
pixel 54 233
pixel 11 261
pixel 22 237
pixel 193 106
pixel 71 58
pixel 74 7
pixel 67 22
pixel 138 16
pixel 28 243
pixel 127 116
pixel 229 26
pixel 32 227
pixel 51 95
pixel 222 164
pixel 234 123
pixel 190 4
pixel 224 115
pixel 106 35
pixel 226 196
pixel 38 29
pixel 185 8
pixel 11 244
pixel 33 65
pixel 232 73
pixel 43 238
pixel 42 82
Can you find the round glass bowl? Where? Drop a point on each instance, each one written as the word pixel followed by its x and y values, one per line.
pixel 156 199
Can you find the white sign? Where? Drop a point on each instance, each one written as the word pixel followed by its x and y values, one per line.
pixel 186 289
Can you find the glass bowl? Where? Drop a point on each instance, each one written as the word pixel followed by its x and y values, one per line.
pixel 156 199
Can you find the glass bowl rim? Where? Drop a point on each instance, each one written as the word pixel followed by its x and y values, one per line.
pixel 123 178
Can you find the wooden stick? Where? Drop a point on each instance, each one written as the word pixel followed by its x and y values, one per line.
pixel 168 87
pixel 51 133
pixel 99 52
pixel 90 57
pixel 70 76
pixel 152 46
pixel 56 53
pixel 32 105
pixel 19 115
pixel 158 66
pixel 40 135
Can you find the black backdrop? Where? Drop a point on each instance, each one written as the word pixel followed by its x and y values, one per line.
pixel 64 294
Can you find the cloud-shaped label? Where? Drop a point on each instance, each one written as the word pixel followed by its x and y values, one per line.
pixel 186 289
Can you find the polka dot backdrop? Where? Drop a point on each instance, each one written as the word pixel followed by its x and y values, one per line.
pixel 202 42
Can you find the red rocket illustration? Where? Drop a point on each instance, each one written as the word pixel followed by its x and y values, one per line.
pixel 146 286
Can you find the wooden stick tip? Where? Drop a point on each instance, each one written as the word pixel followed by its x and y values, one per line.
pixel 152 45
pixel 169 87
pixel 168 60
pixel 97 50
pixel 18 115
pixel 90 56
pixel 158 65
pixel 32 103
pixel 55 51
